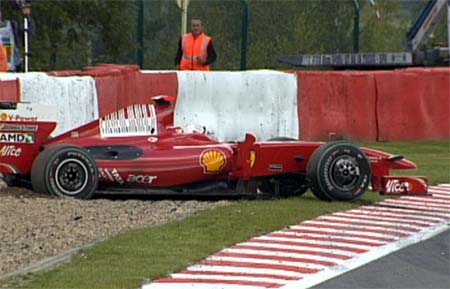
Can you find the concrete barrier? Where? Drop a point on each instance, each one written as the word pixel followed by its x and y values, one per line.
pixel 74 98
pixel 9 90
pixel 391 105
pixel 413 104
pixel 337 105
pixel 403 104
pixel 230 104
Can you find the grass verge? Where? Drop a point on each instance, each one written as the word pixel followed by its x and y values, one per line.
pixel 129 259
pixel 431 157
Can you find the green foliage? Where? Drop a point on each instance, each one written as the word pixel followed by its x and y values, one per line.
pixel 386 34
pixel 432 158
pixel 294 27
pixel 73 34
pixel 78 33
pixel 162 22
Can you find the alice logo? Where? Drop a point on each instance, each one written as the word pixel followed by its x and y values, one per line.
pixel 212 161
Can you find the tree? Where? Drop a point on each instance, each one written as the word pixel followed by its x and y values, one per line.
pixel 77 33
pixel 73 34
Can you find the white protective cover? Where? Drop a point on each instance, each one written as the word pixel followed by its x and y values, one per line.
pixel 74 98
pixel 230 104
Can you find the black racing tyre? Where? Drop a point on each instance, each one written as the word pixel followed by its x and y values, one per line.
pixel 338 171
pixel 65 171
pixel 293 184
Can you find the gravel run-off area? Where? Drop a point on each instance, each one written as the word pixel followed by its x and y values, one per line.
pixel 34 227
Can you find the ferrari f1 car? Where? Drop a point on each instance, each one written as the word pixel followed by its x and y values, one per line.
pixel 138 149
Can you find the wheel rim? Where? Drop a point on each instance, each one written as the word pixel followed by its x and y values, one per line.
pixel 71 176
pixel 345 173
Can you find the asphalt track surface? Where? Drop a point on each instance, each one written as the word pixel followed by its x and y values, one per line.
pixel 423 265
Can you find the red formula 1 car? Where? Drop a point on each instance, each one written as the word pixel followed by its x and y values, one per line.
pixel 138 149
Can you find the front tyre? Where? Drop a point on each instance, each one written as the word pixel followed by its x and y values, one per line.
pixel 338 171
pixel 65 171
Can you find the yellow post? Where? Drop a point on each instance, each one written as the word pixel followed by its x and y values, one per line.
pixel 183 5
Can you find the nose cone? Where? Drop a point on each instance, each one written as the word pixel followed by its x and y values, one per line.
pixel 392 161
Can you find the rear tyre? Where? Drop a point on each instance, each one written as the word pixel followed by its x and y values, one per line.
pixel 338 171
pixel 65 171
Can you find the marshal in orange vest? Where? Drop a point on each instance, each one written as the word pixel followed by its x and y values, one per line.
pixel 3 58
pixel 194 51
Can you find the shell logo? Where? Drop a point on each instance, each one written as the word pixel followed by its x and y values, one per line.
pixel 3 116
pixel 212 161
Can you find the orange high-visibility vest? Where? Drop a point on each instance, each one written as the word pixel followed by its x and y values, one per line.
pixel 194 48
pixel 3 59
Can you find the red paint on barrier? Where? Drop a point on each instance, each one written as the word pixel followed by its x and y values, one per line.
pixel 336 105
pixel 404 104
pixel 121 85
pixel 116 86
pixel 65 73
pixel 413 104
pixel 158 83
pixel 10 91
pixel 131 86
